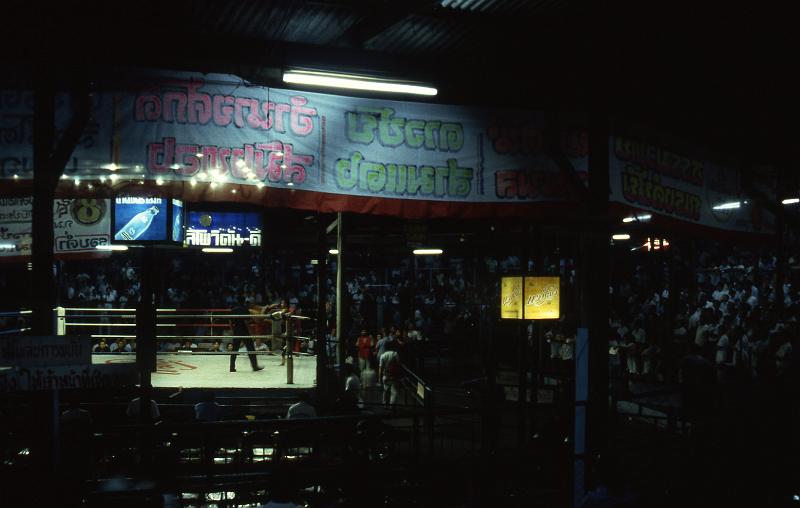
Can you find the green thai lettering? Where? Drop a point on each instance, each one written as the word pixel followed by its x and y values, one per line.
pixel 415 133
pixel 401 179
pixel 347 171
pixel 390 130
pixel 375 176
pixel 431 130
pixel 451 137
pixel 361 125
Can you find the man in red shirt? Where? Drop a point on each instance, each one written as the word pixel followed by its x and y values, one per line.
pixel 364 343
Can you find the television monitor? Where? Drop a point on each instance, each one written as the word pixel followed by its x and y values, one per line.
pixel 146 219
pixel 223 229
pixel 178 220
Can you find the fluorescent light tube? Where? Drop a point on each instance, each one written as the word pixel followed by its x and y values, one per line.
pixel 351 82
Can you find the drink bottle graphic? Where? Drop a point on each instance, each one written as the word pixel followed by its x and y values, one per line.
pixel 137 225
pixel 176 227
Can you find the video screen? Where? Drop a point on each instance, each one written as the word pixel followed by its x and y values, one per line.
pixel 177 221
pixel 223 229
pixel 140 219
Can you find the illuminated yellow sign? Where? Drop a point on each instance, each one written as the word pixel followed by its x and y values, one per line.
pixel 511 297
pixel 542 295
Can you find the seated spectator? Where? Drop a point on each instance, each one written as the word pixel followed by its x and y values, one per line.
pixel 207 410
pixel 134 410
pixel 301 409
pixel 216 347
pixel 188 345
pixel 260 345
pixel 101 347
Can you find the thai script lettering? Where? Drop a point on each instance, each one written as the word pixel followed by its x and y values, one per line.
pixel 133 200
pixel 529 140
pixel 184 102
pixel 546 295
pixel 664 162
pixel 365 125
pixel 87 377
pixel 402 179
pixel 645 188
pixel 274 162
pixel 533 184
pixel 222 238
pixel 69 242
pixel 12 350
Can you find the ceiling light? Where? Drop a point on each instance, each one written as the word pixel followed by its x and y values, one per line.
pixel 112 247
pixel 427 252
pixel 623 236
pixel 352 82
pixel 159 181
pixel 213 185
pixel 260 185
pixel 112 167
pixel 217 250
pixel 334 252
pixel 113 178
pixel 16 176
pixel 789 201
pixel 233 191
pixel 639 218
pixel 728 206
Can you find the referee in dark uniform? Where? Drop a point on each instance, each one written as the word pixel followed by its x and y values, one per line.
pixel 240 330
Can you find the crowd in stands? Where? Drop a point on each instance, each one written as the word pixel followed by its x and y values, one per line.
pixel 730 317
pixel 726 310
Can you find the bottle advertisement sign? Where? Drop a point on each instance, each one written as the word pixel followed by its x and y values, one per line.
pixel 542 297
pixel 140 219
pixel 530 297
pixel 511 298
pixel 177 221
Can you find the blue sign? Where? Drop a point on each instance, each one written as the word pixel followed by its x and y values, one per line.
pixel 177 221
pixel 140 219
pixel 223 229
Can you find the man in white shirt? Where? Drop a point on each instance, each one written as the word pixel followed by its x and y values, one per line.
pixel 388 373
pixel 301 409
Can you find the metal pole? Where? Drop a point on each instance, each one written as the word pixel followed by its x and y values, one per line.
pixel 288 324
pixel 320 348
pixel 340 345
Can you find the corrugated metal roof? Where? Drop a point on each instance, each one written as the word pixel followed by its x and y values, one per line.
pixel 416 34
pixel 504 7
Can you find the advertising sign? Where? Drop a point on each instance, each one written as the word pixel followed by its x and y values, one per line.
pixel 79 226
pixel 511 297
pixel 223 229
pixel 178 221
pixel 142 219
pixel 67 377
pixel 542 295
pixel 50 351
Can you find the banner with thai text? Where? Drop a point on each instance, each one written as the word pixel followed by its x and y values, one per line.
pixel 218 130
pixel 680 186
pixel 79 225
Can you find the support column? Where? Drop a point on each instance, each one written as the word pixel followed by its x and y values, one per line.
pixel 43 296
pixel 341 352
pixel 320 348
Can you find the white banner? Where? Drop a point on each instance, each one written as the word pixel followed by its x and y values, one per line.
pixel 79 225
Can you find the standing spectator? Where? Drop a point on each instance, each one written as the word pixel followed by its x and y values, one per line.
pixel 365 343
pixel 389 374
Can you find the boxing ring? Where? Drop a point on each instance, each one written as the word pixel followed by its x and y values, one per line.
pixel 198 367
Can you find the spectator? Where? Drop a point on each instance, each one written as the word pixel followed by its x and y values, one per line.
pixel 207 410
pixel 302 408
